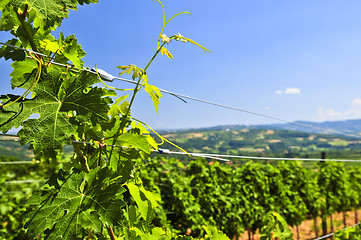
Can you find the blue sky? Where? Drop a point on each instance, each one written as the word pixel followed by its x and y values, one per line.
pixel 296 60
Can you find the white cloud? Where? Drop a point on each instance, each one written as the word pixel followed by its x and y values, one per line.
pixel 292 91
pixel 356 103
pixel 289 91
pixel 331 114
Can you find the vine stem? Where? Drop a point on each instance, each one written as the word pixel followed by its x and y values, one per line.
pixel 135 91
pixel 21 18
pixel 80 156
pixel 111 233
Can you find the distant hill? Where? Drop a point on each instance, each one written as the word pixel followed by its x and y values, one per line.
pixel 263 142
pixel 281 140
pixel 347 126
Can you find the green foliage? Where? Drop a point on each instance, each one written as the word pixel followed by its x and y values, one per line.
pixel 180 206
pixel 235 198
pixel 14 195
pixel 213 233
pixel 352 233
pixel 276 228
pixel 332 180
pixel 97 192
pixel 73 203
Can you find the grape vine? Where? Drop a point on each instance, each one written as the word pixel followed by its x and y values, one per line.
pixel 98 193
pixel 107 189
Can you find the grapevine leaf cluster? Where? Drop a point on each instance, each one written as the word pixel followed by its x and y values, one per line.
pixel 97 193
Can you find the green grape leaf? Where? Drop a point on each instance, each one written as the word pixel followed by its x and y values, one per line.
pixel 153 92
pixel 165 51
pixel 214 234
pixel 3 3
pixel 144 132
pixel 12 53
pixel 51 12
pixel 53 129
pixel 50 44
pixel 129 69
pixel 11 116
pixel 9 20
pixel 24 73
pixel 124 163
pixel 84 201
pixel 119 107
pixel 153 198
pixel 179 37
pixel 134 140
pixel 132 215
pixel 145 200
pixel 72 50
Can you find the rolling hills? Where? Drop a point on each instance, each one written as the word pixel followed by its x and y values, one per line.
pixel 275 140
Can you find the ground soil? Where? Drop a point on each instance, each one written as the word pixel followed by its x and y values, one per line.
pixel 307 228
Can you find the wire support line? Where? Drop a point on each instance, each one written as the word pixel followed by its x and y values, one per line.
pixel 108 77
pixel 281 159
pixel 331 234
pixel 160 151
pixel 222 157
pixel 26 181
pixel 9 135
pixel 24 49
pixel 19 162
pixel 167 151
pixel 9 140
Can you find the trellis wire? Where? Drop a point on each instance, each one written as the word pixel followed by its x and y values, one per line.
pixel 19 162
pixel 331 234
pixel 25 181
pixel 221 157
pixel 108 77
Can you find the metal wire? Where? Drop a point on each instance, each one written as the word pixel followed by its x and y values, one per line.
pixel 181 96
pixel 26 181
pixel 19 162
pixel 222 157
pixel 331 234
pixel 166 151
pixel 282 159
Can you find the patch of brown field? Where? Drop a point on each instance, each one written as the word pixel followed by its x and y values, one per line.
pixel 311 137
pixel 307 228
pixel 274 141
pixel 251 149
pixel 194 135
pixel 270 132
pixel 168 135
